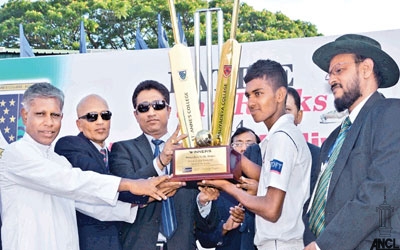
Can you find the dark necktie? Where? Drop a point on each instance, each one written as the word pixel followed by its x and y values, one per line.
pixel 168 216
pixel 103 151
pixel 317 213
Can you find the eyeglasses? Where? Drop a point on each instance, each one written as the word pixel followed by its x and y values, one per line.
pixel 240 144
pixel 157 105
pixel 338 69
pixel 93 116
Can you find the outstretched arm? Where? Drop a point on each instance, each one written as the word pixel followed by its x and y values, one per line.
pixel 269 206
pixel 144 186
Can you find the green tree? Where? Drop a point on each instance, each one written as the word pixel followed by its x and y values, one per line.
pixel 111 24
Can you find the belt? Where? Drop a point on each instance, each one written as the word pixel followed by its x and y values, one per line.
pixel 161 245
pixel 282 245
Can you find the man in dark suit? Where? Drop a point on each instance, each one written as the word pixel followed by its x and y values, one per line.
pixel 84 151
pixel 362 156
pixel 142 158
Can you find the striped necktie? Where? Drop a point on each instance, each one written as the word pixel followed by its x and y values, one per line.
pixel 103 151
pixel 168 216
pixel 317 213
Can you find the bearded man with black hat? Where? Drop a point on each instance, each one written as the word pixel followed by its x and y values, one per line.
pixel 360 159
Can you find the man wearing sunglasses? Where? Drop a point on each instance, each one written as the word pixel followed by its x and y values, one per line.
pixel 141 158
pixel 88 151
pixel 40 190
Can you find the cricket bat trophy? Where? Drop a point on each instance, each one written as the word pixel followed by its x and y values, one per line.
pixel 193 162
pixel 225 95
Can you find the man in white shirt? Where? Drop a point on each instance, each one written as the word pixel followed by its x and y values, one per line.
pixel 285 175
pixel 40 190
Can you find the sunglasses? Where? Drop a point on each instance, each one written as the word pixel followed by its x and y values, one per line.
pixel 93 116
pixel 145 106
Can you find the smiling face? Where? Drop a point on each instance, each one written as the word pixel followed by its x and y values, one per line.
pixel 42 119
pixel 265 104
pixel 96 131
pixel 153 122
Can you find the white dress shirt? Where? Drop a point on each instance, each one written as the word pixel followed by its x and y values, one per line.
pixel 40 191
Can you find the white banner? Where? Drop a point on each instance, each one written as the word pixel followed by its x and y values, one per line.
pixel 114 75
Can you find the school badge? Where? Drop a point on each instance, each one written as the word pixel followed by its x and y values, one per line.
pixel 11 125
pixel 227 70
pixel 182 74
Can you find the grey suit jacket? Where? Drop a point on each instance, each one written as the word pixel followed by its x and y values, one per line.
pixel 368 162
pixel 134 159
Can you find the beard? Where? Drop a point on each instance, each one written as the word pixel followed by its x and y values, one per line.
pixel 349 96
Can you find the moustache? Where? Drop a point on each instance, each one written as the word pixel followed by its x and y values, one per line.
pixel 336 85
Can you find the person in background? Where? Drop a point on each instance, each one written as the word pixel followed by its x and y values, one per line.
pixel 284 182
pixel 150 154
pixel 243 138
pixel 293 107
pixel 234 228
pixel 88 151
pixel 360 158
pixel 40 190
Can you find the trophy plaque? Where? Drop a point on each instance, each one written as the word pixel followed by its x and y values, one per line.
pixel 204 163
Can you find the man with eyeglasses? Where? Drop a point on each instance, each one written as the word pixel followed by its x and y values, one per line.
pixel 89 151
pixel 150 154
pixel 360 159
pixel 40 190
pixel 234 228
pixel 243 138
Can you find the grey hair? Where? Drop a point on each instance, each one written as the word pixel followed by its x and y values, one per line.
pixel 42 90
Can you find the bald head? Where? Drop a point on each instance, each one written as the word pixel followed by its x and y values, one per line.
pixel 94 106
pixel 88 101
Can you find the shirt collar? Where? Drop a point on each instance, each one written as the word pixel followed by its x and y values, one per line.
pixel 353 115
pixel 164 138
pixel 286 118
pixel 98 147
pixel 41 147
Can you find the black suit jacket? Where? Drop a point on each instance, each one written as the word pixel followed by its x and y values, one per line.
pixel 315 169
pixel 367 164
pixel 93 234
pixel 134 159
pixel 315 166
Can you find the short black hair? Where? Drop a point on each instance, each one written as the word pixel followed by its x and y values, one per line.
pixel 242 130
pixel 148 85
pixel 267 69
pixel 293 92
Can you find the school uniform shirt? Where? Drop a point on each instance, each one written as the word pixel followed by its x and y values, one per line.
pixel 40 192
pixel 286 166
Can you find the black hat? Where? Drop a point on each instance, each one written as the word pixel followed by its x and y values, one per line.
pixel 361 45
